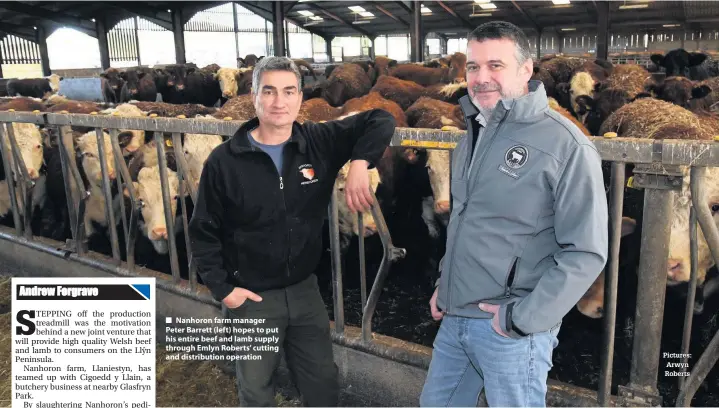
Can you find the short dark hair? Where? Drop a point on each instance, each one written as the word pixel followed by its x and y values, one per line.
pixel 497 30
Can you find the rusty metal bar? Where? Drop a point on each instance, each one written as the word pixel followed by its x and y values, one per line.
pixel 391 254
pixel 182 164
pixel 337 292
pixel 72 215
pixel 651 290
pixel 119 162
pixel 611 277
pixel 124 174
pixel 169 216
pixel 66 147
pixel 362 260
pixel 109 210
pixel 9 179
pixel 182 176
pixel 691 292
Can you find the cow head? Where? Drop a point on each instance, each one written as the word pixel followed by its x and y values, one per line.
pixel 679 91
pixel 197 149
pixel 54 80
pixel 132 78
pixel 438 170
pixel 30 142
pixel 148 189
pixel 114 78
pixel 228 79
pixel 88 151
pixel 678 266
pixel 678 62
pixel 177 74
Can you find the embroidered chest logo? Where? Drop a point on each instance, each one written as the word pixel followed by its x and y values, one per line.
pixel 516 157
pixel 308 173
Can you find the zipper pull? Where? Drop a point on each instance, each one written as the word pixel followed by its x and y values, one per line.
pixel 281 185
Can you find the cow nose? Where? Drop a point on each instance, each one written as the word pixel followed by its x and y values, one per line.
pixel 600 311
pixel 369 230
pixel 111 174
pixel 32 173
pixel 227 94
pixel 674 267
pixel 159 232
pixel 441 207
pixel 134 91
pixel 180 87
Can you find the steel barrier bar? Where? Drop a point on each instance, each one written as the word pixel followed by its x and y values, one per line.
pixel 84 194
pixel 362 260
pixel 611 277
pixel 109 209
pixel 123 173
pixel 691 291
pixel 169 216
pixel 119 162
pixel 337 289
pixel 182 165
pixel 182 175
pixel 67 181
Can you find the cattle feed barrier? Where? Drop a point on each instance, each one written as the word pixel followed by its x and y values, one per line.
pixel 656 171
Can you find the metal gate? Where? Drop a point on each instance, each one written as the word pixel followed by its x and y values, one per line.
pixel 655 161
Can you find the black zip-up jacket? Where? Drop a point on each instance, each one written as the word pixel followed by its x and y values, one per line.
pixel 256 229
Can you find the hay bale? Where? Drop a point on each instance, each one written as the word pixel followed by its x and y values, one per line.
pixel 650 118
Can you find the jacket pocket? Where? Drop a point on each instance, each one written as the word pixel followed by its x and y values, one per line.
pixel 511 276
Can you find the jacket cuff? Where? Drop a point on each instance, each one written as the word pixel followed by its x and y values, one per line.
pixel 506 324
pixel 220 291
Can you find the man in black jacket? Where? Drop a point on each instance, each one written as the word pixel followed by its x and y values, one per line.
pixel 256 231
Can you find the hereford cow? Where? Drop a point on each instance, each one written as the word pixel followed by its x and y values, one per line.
pixel 34 87
pixel 196 149
pixel 404 93
pixel 169 110
pixel 655 119
pixel 348 220
pixel 374 100
pixel 346 82
pixel 30 144
pixel 434 114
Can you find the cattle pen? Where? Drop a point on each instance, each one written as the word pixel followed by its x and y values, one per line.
pixel 381 369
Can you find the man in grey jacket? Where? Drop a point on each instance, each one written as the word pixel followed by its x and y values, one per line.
pixel 527 236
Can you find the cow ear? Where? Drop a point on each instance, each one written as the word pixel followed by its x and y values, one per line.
pixel 190 70
pixel 585 103
pixel 701 91
pixel 657 59
pixel 600 86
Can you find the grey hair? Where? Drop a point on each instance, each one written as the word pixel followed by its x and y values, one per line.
pixel 498 30
pixel 274 64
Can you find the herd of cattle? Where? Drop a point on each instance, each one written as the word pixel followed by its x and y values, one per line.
pixel 596 95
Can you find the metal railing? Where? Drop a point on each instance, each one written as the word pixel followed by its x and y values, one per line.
pixel 656 172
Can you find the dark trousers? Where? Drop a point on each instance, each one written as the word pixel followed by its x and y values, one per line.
pixel 297 315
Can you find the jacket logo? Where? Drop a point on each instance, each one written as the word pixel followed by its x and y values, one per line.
pixel 308 173
pixel 516 157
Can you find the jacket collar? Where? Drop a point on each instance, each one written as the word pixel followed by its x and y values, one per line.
pixel 241 144
pixel 520 109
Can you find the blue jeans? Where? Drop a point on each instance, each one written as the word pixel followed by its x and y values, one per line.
pixel 469 355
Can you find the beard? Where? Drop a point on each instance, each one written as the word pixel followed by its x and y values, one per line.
pixel 487 110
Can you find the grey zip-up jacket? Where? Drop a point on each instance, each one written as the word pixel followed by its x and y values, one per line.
pixel 530 203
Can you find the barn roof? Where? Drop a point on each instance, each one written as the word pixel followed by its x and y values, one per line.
pixel 335 18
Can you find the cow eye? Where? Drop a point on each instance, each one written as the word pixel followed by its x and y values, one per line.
pixel 715 208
